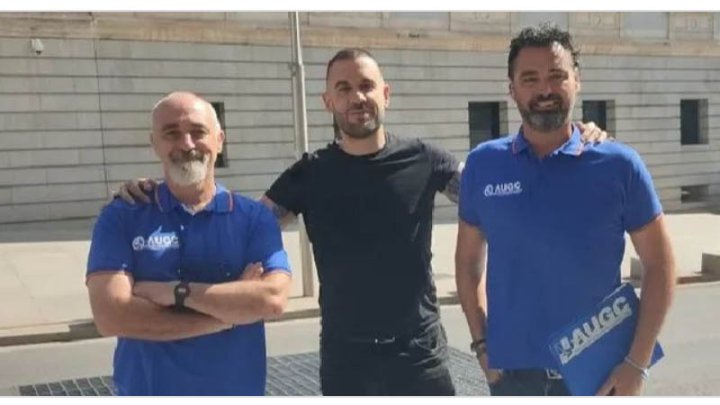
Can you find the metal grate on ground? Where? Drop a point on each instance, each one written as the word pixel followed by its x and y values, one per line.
pixel 291 375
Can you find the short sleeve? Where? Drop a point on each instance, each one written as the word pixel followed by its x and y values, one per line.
pixel 642 204
pixel 110 248
pixel 468 205
pixel 288 191
pixel 265 243
pixel 444 165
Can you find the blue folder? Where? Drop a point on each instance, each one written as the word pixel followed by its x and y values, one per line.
pixel 587 350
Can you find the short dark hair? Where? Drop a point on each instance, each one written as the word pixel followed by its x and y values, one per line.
pixel 541 36
pixel 348 54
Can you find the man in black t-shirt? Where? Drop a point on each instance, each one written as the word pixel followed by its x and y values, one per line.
pixel 367 202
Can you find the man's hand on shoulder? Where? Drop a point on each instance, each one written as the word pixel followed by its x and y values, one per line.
pixel 591 133
pixel 136 190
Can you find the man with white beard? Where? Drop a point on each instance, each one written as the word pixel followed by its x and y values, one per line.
pixel 186 281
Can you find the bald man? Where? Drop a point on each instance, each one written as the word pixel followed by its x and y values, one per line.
pixel 185 281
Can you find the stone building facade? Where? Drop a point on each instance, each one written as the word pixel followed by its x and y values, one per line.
pixel 76 89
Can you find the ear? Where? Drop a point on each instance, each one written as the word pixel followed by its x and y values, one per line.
pixel 327 102
pixel 221 140
pixel 152 139
pixel 511 90
pixel 152 144
pixel 386 94
pixel 577 80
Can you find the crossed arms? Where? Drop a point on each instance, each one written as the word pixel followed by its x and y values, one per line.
pixel 143 310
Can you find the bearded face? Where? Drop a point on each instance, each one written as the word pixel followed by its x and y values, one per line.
pixel 544 86
pixel 188 167
pixel 546 113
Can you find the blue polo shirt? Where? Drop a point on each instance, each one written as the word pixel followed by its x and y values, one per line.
pixel 555 230
pixel 163 242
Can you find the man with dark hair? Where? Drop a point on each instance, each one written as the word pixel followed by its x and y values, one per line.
pixel 367 201
pixel 552 213
pixel 381 333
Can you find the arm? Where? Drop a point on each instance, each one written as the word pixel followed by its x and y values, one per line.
pixel 282 214
pixel 117 312
pixel 249 299
pixel 245 301
pixel 652 244
pixel 242 302
pixel 452 188
pixel 470 254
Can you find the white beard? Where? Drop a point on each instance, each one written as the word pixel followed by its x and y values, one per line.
pixel 189 173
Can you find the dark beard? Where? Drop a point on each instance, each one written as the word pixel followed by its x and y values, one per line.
pixel 545 121
pixel 358 131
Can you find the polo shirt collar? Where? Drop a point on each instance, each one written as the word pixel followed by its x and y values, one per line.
pixel 573 146
pixel 222 201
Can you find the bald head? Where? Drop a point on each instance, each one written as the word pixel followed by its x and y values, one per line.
pixel 186 136
pixel 178 101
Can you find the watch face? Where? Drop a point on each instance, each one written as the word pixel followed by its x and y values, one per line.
pixel 182 289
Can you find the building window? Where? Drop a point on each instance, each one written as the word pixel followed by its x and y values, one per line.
pixel 484 119
pixel 595 111
pixel 222 157
pixel 693 122
pixel 691 194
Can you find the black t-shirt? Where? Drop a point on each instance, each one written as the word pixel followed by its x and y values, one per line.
pixel 369 219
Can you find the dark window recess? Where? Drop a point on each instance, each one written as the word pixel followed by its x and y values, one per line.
pixel 595 111
pixel 222 158
pixel 484 122
pixel 690 125
pixel 690 194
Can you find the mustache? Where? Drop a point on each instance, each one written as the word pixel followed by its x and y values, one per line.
pixel 549 97
pixel 188 156
pixel 359 107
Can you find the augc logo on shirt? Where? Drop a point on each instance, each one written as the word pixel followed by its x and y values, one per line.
pixel 156 241
pixel 503 189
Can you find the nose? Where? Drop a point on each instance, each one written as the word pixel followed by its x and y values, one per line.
pixel 545 88
pixel 358 97
pixel 186 141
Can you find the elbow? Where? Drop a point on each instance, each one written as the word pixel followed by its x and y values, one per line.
pixel 275 305
pixel 108 318
pixel 106 328
pixel 275 302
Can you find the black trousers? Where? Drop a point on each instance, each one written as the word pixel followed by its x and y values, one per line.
pixel 390 366
pixel 529 382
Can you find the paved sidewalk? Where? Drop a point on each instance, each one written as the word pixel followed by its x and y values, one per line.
pixel 42 275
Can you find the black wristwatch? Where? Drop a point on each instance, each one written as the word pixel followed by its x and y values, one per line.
pixel 182 291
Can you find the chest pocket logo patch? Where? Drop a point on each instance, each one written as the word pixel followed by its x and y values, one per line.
pixel 156 241
pixel 503 189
